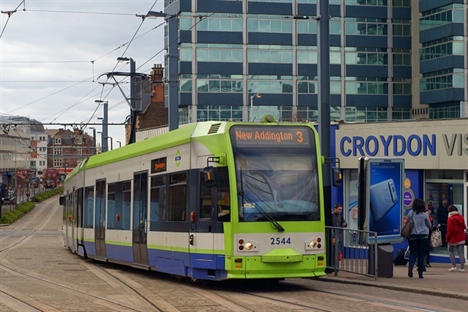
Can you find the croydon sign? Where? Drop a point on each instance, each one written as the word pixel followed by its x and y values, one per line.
pixel 423 144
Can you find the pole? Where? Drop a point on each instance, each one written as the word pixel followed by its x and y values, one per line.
pixel 324 103
pixel 105 127
pixel 173 99
pixel 133 114
pixel 94 140
pixel 251 107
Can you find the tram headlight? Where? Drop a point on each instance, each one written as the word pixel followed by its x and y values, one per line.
pixel 248 246
pixel 313 244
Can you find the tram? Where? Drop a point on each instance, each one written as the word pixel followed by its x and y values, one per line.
pixel 208 201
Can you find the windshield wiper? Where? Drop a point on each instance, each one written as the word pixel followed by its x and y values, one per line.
pixel 262 212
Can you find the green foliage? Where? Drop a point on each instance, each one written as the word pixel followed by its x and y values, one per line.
pixel 24 208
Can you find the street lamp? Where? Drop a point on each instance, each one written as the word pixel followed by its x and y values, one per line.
pixel 102 139
pixel 94 139
pixel 112 142
pixel 105 124
pixel 120 143
pixel 258 96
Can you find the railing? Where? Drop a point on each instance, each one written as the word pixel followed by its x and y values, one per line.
pixel 353 251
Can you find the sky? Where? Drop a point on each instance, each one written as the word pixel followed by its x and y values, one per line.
pixel 54 56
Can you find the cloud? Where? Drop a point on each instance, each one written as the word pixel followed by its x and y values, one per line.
pixel 50 58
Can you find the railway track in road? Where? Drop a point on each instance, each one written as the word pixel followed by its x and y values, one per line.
pixel 38 274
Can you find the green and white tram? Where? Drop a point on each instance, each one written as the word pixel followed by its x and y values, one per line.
pixel 209 201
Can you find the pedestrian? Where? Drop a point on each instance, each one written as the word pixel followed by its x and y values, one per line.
pixel 419 236
pixel 442 214
pixel 338 221
pixel 455 237
pixel 433 226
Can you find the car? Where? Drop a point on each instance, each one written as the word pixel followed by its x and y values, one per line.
pixel 10 200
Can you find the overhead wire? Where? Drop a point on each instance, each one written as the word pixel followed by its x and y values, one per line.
pixel 9 13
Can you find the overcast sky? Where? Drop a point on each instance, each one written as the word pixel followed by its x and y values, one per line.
pixel 52 53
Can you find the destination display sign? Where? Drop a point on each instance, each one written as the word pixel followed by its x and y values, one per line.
pixel 158 165
pixel 271 136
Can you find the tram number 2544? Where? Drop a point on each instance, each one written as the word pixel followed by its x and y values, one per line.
pixel 280 241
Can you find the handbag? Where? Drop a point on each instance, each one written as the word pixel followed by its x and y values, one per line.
pixel 436 238
pixel 407 254
pixel 407 229
pixel 466 236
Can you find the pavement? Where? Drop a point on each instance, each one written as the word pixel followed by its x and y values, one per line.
pixel 437 281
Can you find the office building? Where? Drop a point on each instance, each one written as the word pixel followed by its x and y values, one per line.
pixel 389 59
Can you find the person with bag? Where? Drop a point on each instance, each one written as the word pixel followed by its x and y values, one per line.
pixel 455 237
pixel 430 245
pixel 419 236
pixel 338 221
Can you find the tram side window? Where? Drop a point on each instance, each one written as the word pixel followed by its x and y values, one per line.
pixel 177 206
pixel 114 206
pixel 89 207
pixel 79 207
pixel 157 201
pixel 205 199
pixel 111 214
pixel 224 198
pixel 126 201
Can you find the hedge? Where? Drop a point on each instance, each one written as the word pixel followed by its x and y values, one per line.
pixel 22 209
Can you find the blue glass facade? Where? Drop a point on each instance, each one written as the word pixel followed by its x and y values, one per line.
pixel 231 50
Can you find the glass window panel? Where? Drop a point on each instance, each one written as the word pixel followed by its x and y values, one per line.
pixel 264 56
pixel 253 55
pixel 302 27
pixel 264 26
pixel 225 25
pixel 185 23
pixel 225 55
pixel 202 85
pixel 302 57
pixel 203 24
pixel 263 87
pixel 185 54
pixel 275 57
pixel 236 24
pixel 335 58
pixel 252 25
pixel 287 26
pixel 275 26
pixel 214 56
pixel 335 87
pixel 186 85
pixel 202 55
pixel 214 86
pixel 236 56
pixel 213 24
pixel 286 56
pixel 225 86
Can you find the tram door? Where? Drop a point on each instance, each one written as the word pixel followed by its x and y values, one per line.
pixel 100 220
pixel 140 218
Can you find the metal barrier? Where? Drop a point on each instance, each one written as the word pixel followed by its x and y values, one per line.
pixel 353 251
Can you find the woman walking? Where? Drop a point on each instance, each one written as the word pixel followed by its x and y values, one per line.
pixel 455 237
pixel 419 236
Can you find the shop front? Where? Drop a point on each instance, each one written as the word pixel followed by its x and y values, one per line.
pixel 435 155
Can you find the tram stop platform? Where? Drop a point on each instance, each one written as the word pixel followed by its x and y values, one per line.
pixel 437 281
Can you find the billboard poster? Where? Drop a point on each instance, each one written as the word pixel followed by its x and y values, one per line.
pixel 385 198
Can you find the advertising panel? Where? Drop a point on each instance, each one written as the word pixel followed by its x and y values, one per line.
pixel 385 198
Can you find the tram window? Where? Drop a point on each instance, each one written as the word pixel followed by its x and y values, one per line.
pixel 224 198
pixel 177 206
pixel 126 201
pixel 111 214
pixel 79 207
pixel 205 198
pixel 89 207
pixel 157 201
pixel 179 178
